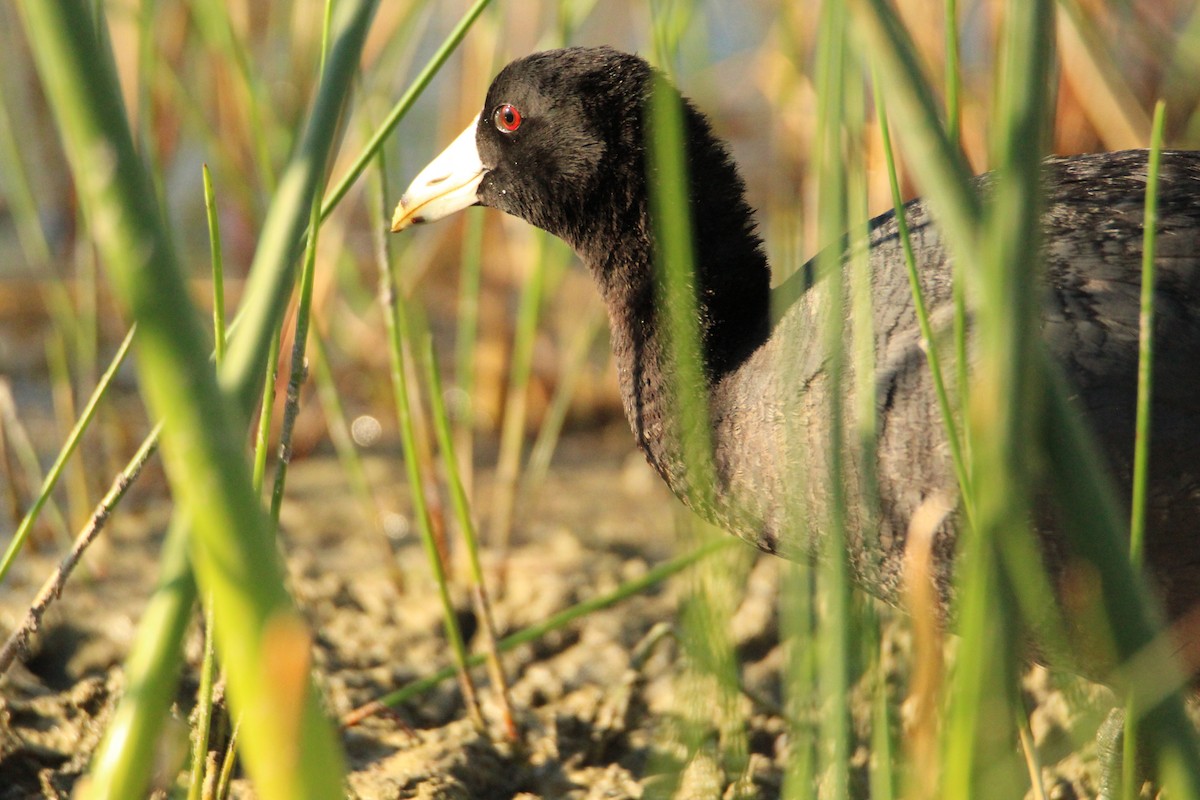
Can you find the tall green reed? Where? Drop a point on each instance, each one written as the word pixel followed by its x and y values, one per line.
pixel 1141 445
pixel 983 695
pixel 1073 468
pixel 292 753
pixel 961 205
pixel 708 689
pixel 407 401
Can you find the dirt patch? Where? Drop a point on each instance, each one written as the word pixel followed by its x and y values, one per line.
pixel 606 706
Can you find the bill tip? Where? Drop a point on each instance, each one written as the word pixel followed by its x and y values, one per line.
pixel 401 218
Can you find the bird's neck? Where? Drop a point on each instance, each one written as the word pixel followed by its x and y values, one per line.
pixel 732 280
pixel 732 276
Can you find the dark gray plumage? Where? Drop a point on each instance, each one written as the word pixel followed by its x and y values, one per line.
pixel 560 142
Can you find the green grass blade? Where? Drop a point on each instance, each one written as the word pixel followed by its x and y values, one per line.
pixel 953 437
pixel 981 731
pixel 215 26
pixel 676 285
pixel 953 73
pixel 299 364
pixel 1100 80
pixel 56 470
pixel 272 272
pixel 833 628
pixel 1141 453
pixel 208 667
pixel 1141 446
pixel 1091 516
pixel 19 190
pixel 266 411
pixel 121 763
pixel 944 172
pixel 466 525
pixel 204 709
pixel 62 393
pixel 403 105
pixel 289 749
pixel 707 692
pixel 512 431
pixel 399 334
pixel 218 268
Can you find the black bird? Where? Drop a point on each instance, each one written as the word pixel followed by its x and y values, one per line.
pixel 561 143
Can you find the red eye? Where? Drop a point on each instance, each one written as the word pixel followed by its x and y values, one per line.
pixel 506 118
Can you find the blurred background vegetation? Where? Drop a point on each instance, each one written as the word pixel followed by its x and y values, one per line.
pixel 228 85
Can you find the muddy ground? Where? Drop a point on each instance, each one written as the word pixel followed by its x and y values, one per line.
pixel 599 703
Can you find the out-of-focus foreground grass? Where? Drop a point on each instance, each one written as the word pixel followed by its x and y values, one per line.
pixel 229 85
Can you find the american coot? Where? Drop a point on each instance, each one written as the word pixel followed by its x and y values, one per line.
pixel 560 143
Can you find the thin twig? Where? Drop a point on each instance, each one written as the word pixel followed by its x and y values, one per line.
pixel 52 589
pixel 466 524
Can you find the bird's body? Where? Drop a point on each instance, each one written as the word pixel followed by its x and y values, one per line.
pixel 1090 318
pixel 561 143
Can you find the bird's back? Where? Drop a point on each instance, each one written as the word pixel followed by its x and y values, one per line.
pixel 772 416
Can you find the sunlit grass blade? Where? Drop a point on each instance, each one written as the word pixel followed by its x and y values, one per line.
pixel 402 106
pixel 1141 462
pixel 273 270
pixel 203 712
pixel 710 681
pixel 1004 389
pixel 953 72
pixel 22 460
pixel 944 172
pixel 19 189
pixel 882 768
pixel 953 437
pixel 120 765
pixel 218 268
pixel 1179 77
pixel 675 282
pixel 1090 510
pixel 216 27
pixel 833 627
pixel 143 122
pixel 1141 446
pixel 798 618
pixel 69 446
pixel 512 431
pixel 466 525
pixel 127 751
pixel 74 472
pixel 396 322
pixel 1074 470
pixel 954 135
pixel 299 362
pixel 465 343
pixel 200 435
pixel 266 412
